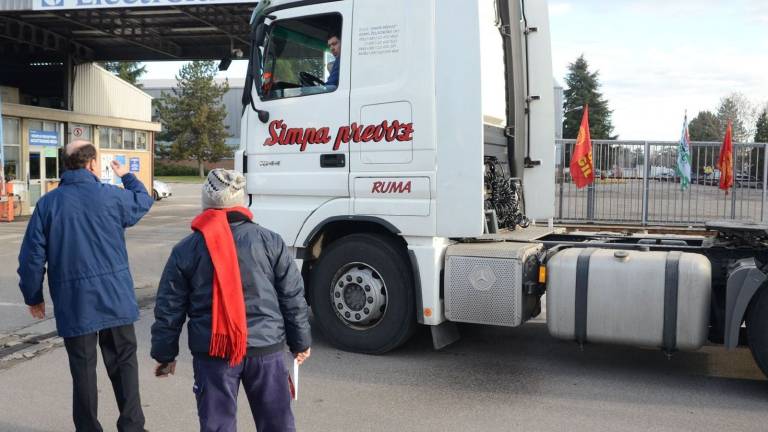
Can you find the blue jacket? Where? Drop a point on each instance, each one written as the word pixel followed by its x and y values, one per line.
pixel 273 290
pixel 79 230
pixel 333 77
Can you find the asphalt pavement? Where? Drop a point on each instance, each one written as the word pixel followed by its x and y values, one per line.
pixel 493 379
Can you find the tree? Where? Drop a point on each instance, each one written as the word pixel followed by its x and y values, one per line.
pixel 127 71
pixel 583 87
pixel 761 133
pixel 193 115
pixel 706 127
pixel 737 108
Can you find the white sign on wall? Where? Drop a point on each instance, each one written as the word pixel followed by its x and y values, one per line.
pixel 106 170
pixel 98 4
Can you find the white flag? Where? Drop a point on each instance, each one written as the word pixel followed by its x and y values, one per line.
pixel 683 167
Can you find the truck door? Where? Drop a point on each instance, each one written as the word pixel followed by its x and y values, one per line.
pixel 294 164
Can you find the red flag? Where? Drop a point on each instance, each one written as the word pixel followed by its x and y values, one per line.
pixel 582 171
pixel 725 161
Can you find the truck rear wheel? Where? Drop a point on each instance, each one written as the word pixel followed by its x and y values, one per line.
pixel 757 330
pixel 362 294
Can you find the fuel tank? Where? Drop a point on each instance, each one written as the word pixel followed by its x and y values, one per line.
pixel 655 299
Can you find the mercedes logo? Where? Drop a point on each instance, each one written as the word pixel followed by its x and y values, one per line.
pixel 482 277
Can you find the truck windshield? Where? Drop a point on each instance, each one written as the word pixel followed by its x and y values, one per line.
pixel 297 60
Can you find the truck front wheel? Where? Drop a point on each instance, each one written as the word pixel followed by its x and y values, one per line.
pixel 362 294
pixel 757 330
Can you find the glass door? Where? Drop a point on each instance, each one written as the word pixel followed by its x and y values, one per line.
pixel 35 177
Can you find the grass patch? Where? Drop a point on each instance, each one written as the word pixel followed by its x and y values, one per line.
pixel 180 179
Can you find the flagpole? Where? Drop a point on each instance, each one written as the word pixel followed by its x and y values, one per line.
pixel 2 154
pixel 733 174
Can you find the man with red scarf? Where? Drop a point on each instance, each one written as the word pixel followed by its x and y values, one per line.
pixel 244 297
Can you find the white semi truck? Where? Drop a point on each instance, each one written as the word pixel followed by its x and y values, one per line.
pixel 400 184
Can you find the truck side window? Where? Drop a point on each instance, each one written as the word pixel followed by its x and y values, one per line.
pixel 302 57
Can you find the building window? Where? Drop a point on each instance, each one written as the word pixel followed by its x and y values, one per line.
pixel 129 142
pixel 104 137
pixel 47 126
pixel 34 166
pixel 141 140
pixel 116 141
pixel 35 124
pixel 297 60
pixel 51 168
pixel 12 149
pixel 79 132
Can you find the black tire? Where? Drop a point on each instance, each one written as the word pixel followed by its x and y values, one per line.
pixel 156 196
pixel 384 258
pixel 757 329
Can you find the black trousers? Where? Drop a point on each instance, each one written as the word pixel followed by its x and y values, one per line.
pixel 118 349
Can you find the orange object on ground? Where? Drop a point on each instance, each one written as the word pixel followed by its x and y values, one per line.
pixel 6 207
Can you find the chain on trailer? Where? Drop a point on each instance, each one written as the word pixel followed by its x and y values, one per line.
pixel 504 196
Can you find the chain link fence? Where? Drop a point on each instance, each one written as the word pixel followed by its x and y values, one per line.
pixel 636 183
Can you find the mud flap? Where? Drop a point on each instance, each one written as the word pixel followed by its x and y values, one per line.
pixel 744 280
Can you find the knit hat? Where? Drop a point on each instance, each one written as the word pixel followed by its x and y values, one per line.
pixel 223 189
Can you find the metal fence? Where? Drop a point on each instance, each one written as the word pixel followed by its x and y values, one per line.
pixel 635 183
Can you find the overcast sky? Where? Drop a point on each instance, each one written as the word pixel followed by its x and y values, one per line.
pixel 656 58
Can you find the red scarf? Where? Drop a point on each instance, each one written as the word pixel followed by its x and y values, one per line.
pixel 229 332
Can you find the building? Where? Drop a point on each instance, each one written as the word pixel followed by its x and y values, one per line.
pixel 106 110
pixel 231 100
pixel 52 92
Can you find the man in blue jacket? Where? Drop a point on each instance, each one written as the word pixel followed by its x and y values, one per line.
pixel 78 229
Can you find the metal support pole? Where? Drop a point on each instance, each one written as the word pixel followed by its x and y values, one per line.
pixel 765 182
pixel 591 202
pixel 733 193
pixel 646 180
pixel 68 83
pixel 561 178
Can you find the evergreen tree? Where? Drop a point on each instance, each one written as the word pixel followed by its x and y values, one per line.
pixel 127 71
pixel 706 127
pixel 761 135
pixel 583 88
pixel 193 115
pixel 736 108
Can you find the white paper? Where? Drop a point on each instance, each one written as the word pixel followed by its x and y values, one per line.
pixel 295 379
pixel 106 170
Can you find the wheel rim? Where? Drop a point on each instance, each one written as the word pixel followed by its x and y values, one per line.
pixel 359 296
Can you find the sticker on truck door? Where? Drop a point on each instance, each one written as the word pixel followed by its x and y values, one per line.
pixel 281 134
pixel 393 196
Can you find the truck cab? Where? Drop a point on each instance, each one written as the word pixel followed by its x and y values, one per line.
pixel 420 89
pixel 394 154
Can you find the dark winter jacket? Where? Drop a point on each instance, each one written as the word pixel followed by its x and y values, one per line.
pixel 79 230
pixel 276 310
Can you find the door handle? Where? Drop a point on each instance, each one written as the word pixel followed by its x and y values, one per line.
pixel 333 160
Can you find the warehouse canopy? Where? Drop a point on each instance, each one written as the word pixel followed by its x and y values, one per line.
pixel 41 31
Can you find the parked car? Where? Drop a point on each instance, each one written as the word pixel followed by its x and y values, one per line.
pixel 747 181
pixel 667 176
pixel 160 190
